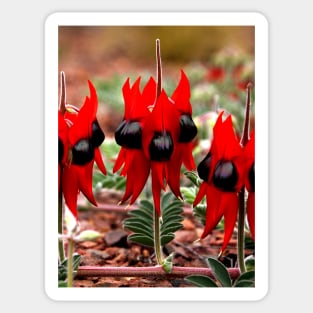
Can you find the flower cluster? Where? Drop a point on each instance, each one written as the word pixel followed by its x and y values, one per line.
pixel 155 135
pixel 224 173
pixel 80 136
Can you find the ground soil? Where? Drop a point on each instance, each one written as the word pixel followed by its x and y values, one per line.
pixel 114 249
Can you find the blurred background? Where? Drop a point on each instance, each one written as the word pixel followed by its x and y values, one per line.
pixel 218 60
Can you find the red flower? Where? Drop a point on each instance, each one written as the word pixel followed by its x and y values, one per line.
pixel 129 136
pixel 222 172
pixel 249 153
pixel 215 74
pixel 159 138
pixel 84 136
pixel 183 149
pixel 242 74
pixel 155 134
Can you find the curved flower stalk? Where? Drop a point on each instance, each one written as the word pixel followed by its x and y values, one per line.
pixel 80 137
pixel 155 135
pixel 249 153
pixel 222 171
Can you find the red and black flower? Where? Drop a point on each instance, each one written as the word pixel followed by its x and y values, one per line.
pixel 80 137
pixel 222 171
pixel 155 135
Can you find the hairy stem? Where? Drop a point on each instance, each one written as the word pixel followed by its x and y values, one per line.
pixel 70 262
pixel 62 93
pixel 151 271
pixel 159 68
pixel 242 207
pixel 157 238
pixel 60 222
pixel 241 231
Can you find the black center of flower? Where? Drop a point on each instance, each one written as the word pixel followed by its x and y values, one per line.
pixel 83 152
pixel 188 129
pixel 128 135
pixel 161 146
pixel 97 135
pixel 225 176
pixel 61 150
pixel 252 178
pixel 204 167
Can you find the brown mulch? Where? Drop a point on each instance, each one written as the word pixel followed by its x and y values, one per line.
pixel 113 249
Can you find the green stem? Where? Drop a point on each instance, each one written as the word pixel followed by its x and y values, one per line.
pixel 159 68
pixel 157 238
pixel 156 217
pixel 60 224
pixel 70 251
pixel 242 207
pixel 60 199
pixel 241 231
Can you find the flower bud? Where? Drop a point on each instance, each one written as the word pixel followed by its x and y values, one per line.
pixel 128 135
pixel 161 146
pixel 188 129
pixel 225 176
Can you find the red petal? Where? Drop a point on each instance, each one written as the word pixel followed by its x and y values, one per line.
pixel 99 161
pixel 149 93
pixel 201 193
pixel 127 98
pixel 141 172
pixel 85 180
pixel 156 192
pixel 137 175
pixel 120 160
pixel 158 171
pixel 70 189
pixel 173 167
pixel 214 210
pixel 229 205
pixel 188 159
pixel 82 127
pixel 181 95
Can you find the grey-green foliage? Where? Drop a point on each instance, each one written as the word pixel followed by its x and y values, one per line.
pixel 222 277
pixel 141 222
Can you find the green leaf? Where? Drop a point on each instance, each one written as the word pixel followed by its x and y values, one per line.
pixel 250 263
pixel 245 283
pixel 167 263
pixel 170 227
pixel 201 281
pixel 142 215
pixel 245 277
pixel 62 268
pixel 166 199
pixel 193 177
pixel 120 183
pixel 139 229
pixel 165 239
pixel 62 284
pixel 178 218
pixel 220 272
pixel 139 221
pixel 141 239
pixel 200 212
pixel 146 206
